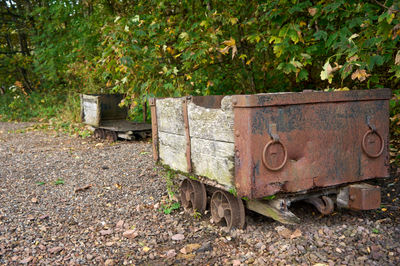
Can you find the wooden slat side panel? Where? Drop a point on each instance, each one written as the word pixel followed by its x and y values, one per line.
pixel 212 124
pixel 170 116
pixel 172 150
pixel 214 160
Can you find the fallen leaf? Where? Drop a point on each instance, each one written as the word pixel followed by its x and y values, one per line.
pixel 189 248
pixel 146 249
pixel 296 233
pixel 283 231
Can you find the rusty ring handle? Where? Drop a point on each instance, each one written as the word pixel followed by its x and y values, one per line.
pixel 264 159
pixel 365 149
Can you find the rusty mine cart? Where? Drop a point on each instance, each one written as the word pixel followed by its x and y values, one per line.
pixel 108 120
pixel 265 151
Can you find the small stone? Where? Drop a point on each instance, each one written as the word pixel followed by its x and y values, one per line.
pixel 120 224
pixel 45 216
pixel 55 250
pixel 178 237
pixel 26 260
pixel 171 253
pixel 205 247
pixel 89 257
pixel 109 244
pixel 106 232
pixel 131 234
pixel 34 200
pixel 14 258
pixel 236 262
pixel 109 262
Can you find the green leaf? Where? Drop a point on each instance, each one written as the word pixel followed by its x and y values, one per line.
pixel 375 60
pixel 321 35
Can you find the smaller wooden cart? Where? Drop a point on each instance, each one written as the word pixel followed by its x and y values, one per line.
pixel 108 120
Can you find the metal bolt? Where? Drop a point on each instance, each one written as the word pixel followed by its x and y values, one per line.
pixel 237 133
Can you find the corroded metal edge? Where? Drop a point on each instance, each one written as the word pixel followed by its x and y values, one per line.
pixel 292 98
pixel 154 128
pixel 187 133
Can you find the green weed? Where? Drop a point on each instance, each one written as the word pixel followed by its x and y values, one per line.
pixel 59 181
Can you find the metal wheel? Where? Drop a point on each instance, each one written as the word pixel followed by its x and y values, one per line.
pixel 193 194
pixel 99 133
pixel 227 208
pixel 111 135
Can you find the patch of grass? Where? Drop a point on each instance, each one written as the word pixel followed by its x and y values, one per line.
pixel 375 231
pixel 36 106
pixel 40 183
pixel 170 207
pixel 59 181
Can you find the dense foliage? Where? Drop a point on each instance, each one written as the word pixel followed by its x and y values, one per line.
pixel 179 47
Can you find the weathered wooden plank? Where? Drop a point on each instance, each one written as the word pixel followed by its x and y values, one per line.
pixel 212 124
pixel 172 150
pixel 170 116
pixel 125 125
pixel 214 160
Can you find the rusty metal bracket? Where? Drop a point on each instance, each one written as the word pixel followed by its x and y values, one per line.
pixel 154 126
pixel 323 204
pixel 187 132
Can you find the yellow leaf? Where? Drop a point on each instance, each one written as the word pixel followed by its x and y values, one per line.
pixel 397 58
pixel 302 23
pixel 233 21
pixel 242 56
pixel 249 61
pixel 360 74
pixel 312 11
pixel 231 42
pixel 342 89
pixel 224 50
pixel 234 51
pixel 146 249
pixel 384 209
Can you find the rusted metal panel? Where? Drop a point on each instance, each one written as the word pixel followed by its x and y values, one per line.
pixel 213 102
pixel 154 126
pixel 187 134
pixel 308 97
pixel 364 197
pixel 298 141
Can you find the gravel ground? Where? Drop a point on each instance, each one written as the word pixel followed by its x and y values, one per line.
pixel 67 200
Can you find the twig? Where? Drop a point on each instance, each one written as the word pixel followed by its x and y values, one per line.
pixel 83 188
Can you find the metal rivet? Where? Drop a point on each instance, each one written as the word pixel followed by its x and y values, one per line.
pixel 237 133
pixel 234 100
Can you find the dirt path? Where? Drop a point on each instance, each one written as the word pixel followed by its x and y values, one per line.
pixel 114 219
